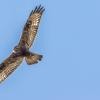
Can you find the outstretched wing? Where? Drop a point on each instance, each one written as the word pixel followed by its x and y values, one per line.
pixel 9 65
pixel 31 27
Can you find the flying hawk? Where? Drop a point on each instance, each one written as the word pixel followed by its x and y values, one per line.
pixel 21 51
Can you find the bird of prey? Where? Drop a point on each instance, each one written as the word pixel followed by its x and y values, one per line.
pixel 21 51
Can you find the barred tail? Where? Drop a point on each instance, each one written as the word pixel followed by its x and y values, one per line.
pixel 33 58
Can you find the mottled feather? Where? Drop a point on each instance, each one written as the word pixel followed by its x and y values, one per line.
pixel 9 65
pixel 31 27
pixel 22 49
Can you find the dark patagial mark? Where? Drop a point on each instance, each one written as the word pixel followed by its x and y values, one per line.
pixel 27 25
pixel 2 65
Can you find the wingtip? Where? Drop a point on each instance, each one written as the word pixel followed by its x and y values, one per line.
pixel 38 9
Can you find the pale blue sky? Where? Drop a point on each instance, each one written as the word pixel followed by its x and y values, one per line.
pixel 69 39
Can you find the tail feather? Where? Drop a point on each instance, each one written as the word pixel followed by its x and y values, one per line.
pixel 33 58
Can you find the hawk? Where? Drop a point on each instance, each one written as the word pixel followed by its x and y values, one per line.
pixel 21 51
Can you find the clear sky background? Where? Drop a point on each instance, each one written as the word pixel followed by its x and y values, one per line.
pixel 69 39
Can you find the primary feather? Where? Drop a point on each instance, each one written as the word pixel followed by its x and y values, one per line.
pixel 31 27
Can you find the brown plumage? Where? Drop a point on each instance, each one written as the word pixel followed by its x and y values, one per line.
pixel 22 49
